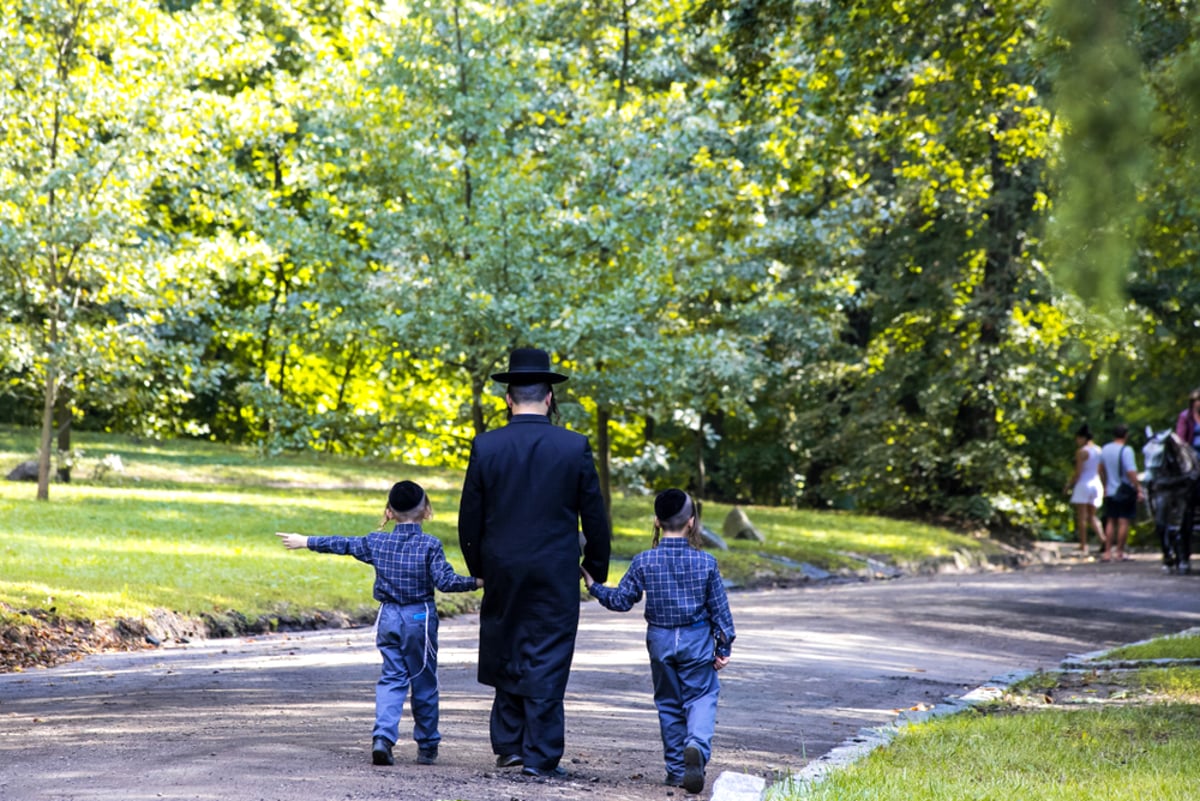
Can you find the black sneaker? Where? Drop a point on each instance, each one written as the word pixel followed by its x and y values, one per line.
pixel 427 756
pixel 509 761
pixel 693 769
pixel 381 752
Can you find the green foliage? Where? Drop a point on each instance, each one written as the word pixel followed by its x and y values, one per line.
pixel 857 254
pixel 1104 107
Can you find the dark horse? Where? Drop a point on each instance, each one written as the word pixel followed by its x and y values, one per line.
pixel 1172 491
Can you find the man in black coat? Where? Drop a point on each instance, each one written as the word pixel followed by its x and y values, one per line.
pixel 530 487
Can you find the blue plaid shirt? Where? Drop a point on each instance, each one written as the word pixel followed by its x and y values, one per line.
pixel 408 563
pixel 683 587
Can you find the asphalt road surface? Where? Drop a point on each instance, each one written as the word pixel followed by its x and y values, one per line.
pixel 288 717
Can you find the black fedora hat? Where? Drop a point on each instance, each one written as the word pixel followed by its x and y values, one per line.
pixel 528 366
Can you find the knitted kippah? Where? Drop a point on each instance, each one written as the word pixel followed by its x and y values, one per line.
pixel 669 503
pixel 405 496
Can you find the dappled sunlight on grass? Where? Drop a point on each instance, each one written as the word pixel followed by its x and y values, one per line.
pixel 189 526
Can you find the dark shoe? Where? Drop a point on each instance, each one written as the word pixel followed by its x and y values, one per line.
pixel 426 756
pixel 381 752
pixel 556 772
pixel 509 761
pixel 693 769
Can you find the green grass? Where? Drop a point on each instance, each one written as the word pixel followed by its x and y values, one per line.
pixel 1179 646
pixel 1115 753
pixel 188 527
pixel 1177 682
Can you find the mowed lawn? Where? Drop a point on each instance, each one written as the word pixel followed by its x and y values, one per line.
pixel 188 527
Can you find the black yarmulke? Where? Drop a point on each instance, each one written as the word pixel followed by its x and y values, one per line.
pixel 405 496
pixel 669 503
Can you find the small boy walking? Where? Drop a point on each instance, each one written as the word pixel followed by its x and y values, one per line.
pixel 689 633
pixel 408 565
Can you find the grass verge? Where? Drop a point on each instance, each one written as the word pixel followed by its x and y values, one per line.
pixel 1179 646
pixel 1079 736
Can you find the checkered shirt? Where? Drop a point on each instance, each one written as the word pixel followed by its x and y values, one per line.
pixel 682 585
pixel 408 563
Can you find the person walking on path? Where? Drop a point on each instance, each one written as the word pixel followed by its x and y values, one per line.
pixel 1086 488
pixel 1187 429
pixel 408 565
pixel 689 633
pixel 1187 424
pixel 1122 491
pixel 530 488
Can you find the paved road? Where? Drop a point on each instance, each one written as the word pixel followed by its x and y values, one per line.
pixel 289 716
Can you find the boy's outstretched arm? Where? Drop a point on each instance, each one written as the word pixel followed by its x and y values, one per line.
pixel 292 542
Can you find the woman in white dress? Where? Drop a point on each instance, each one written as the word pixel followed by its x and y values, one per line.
pixel 1086 488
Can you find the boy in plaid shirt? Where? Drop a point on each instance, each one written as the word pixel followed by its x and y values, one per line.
pixel 689 633
pixel 408 565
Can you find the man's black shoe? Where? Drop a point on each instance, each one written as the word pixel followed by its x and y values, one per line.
pixel 427 756
pixel 693 769
pixel 381 752
pixel 556 772
pixel 509 761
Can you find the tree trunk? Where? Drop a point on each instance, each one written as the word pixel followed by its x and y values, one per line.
pixel 603 415
pixel 477 385
pixel 62 419
pixel 43 487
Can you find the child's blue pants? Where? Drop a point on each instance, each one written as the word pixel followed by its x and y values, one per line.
pixel 685 690
pixel 407 639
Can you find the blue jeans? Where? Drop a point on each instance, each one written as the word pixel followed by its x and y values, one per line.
pixel 407 639
pixel 685 690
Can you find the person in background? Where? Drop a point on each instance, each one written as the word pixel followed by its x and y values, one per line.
pixel 530 488
pixel 1122 491
pixel 408 565
pixel 1086 488
pixel 1187 429
pixel 1187 424
pixel 689 633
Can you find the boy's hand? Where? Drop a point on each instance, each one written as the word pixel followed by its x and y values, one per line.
pixel 292 542
pixel 720 662
pixel 588 581
pixel 478 583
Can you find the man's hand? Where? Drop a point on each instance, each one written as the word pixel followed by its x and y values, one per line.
pixel 720 662
pixel 292 542
pixel 588 581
